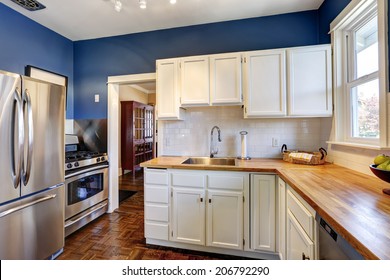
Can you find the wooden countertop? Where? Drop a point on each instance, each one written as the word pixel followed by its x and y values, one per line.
pixel 351 202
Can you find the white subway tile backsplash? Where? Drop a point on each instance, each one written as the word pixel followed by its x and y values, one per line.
pixel 192 136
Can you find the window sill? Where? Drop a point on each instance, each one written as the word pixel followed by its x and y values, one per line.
pixel 357 145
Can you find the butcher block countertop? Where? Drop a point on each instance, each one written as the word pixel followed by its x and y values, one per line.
pixel 351 202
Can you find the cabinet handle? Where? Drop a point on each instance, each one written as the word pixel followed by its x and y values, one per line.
pixel 304 257
pixel 201 199
pixel 209 200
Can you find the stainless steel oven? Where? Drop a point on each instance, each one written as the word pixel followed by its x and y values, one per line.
pixel 86 196
pixel 86 185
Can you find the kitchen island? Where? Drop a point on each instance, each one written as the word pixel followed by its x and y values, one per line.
pixel 351 202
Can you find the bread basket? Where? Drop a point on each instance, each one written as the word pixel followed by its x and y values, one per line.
pixel 303 157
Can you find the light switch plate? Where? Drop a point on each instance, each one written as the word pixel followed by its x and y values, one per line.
pixel 275 142
pixel 97 98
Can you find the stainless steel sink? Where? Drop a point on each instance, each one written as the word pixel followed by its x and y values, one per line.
pixel 210 161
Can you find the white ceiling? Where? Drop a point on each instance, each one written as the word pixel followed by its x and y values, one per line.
pixel 88 19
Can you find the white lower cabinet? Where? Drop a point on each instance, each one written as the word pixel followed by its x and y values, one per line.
pixel 263 208
pixel 156 203
pixel 215 211
pixel 207 208
pixel 282 218
pixel 299 245
pixel 188 210
pixel 302 229
pixel 225 209
pixel 188 207
pixel 225 219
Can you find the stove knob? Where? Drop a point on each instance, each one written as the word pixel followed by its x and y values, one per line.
pixel 76 164
pixel 69 165
pixel 102 158
pixel 98 160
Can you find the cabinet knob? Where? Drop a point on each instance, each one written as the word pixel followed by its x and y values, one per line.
pixel 201 199
pixel 304 257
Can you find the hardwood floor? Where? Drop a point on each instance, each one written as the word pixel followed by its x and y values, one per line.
pixel 129 182
pixel 120 235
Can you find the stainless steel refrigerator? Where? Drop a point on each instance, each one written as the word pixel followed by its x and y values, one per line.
pixel 31 167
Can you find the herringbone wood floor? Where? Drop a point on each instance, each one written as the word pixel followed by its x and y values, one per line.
pixel 120 235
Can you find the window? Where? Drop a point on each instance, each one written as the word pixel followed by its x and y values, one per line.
pixel 358 40
pixel 362 87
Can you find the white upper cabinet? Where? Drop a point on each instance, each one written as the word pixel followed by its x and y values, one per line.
pixel 310 81
pixel 264 83
pixel 292 82
pixel 167 90
pixel 226 79
pixel 195 81
pixel 211 80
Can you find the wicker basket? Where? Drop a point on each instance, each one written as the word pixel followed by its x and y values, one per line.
pixel 303 157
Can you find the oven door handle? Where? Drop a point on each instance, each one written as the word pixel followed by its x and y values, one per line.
pixel 86 171
pixel 93 209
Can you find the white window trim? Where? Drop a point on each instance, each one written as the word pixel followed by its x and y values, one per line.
pixel 341 125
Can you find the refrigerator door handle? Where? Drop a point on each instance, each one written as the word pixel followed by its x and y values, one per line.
pixel 17 155
pixel 18 208
pixel 30 134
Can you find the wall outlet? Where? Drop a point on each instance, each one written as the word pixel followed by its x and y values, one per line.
pixel 97 98
pixel 275 142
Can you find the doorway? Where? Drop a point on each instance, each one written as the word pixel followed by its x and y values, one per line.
pixel 114 84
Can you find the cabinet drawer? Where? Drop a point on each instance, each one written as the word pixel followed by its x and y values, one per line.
pixel 156 212
pixel 301 213
pixel 156 177
pixel 188 180
pixel 156 230
pixel 230 182
pixel 156 194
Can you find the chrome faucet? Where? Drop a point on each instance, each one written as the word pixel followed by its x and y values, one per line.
pixel 213 148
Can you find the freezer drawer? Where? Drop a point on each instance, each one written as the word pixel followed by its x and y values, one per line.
pixel 33 227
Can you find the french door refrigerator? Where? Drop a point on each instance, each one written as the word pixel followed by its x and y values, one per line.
pixel 31 168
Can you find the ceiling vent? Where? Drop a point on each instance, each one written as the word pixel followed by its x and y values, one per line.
pixel 30 5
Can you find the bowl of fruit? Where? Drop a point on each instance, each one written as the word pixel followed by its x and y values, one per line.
pixel 381 169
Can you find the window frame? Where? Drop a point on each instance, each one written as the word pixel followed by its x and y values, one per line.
pixel 354 16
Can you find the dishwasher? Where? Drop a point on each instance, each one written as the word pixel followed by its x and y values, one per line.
pixel 332 246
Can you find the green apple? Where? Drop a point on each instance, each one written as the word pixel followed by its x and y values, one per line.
pixel 379 159
pixel 383 165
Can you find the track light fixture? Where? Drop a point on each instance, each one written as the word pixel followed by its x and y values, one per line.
pixel 118 5
pixel 142 4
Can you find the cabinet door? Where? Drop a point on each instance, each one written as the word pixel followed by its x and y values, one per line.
pixel 310 81
pixel 299 245
pixel 263 212
pixel 264 83
pixel 225 219
pixel 167 90
pixel 282 217
pixel 225 79
pixel 188 216
pixel 195 81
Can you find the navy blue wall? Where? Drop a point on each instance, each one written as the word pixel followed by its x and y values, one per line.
pixel 327 13
pixel 90 62
pixel 25 42
pixel 97 59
